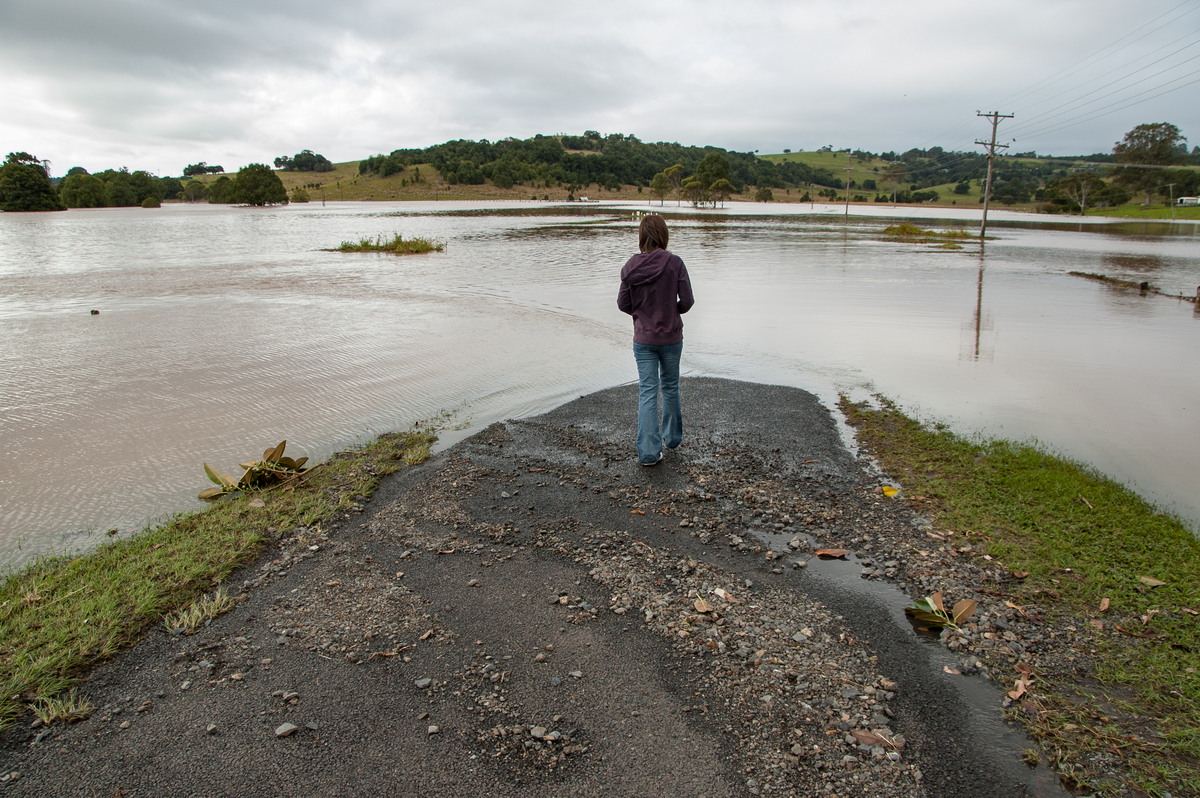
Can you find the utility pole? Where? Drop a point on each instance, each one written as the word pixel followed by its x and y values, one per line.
pixel 995 116
pixel 1172 187
pixel 849 157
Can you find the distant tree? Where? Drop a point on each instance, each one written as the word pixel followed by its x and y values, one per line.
pixel 694 192
pixel 25 185
pixel 256 184
pixel 220 191
pixel 660 186
pixel 674 174
pixel 1078 186
pixel 1158 144
pixel 81 190
pixel 119 191
pixel 299 195
pixel 304 161
pixel 764 195
pixel 712 167
pixel 202 169
pixel 152 202
pixel 170 187
pixel 194 191
pixel 720 191
pixel 145 186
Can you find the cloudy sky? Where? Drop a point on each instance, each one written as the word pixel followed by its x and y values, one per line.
pixel 159 84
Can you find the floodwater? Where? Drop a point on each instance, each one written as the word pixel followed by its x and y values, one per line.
pixel 223 330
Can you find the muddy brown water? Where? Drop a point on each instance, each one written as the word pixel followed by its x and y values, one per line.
pixel 224 330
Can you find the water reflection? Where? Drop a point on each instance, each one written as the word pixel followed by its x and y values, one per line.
pixel 224 330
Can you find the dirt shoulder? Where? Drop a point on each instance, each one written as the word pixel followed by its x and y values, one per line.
pixel 532 613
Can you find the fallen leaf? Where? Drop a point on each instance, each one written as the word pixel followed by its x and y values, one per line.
pixel 1023 668
pixel 832 553
pixel 1190 611
pixel 637 512
pixel 257 503
pixel 867 738
pixel 1019 688
pixel 1104 605
pixel 1150 581
pixel 1020 574
pixel 428 634
pixel 447 551
pixel 702 606
pixel 936 601
pixel 951 671
pixel 723 593
pixel 889 491
pixel 1097 625
pixel 1016 607
pixel 964 609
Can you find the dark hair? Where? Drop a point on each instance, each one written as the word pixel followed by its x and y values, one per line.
pixel 652 234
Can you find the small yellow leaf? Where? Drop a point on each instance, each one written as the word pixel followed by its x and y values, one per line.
pixel 1104 605
pixel 1150 581
pixel 889 491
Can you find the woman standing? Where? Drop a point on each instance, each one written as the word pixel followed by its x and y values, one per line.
pixel 655 290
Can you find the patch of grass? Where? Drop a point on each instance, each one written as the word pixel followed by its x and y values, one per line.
pixel 910 232
pixel 1084 541
pixel 61 615
pixel 396 245
pixel 69 707
pixel 188 620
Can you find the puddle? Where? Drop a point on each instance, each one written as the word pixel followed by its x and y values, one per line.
pixel 840 585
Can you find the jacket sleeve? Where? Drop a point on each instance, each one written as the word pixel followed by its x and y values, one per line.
pixel 684 290
pixel 624 298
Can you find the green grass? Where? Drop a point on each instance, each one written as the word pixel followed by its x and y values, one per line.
pixel 1082 539
pixel 61 615
pixel 396 245
pixel 1151 212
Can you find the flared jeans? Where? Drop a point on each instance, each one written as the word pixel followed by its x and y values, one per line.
pixel 658 372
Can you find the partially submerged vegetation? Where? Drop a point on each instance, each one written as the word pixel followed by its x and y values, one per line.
pixel 396 245
pixel 1132 285
pixel 61 615
pixel 1093 556
pixel 946 239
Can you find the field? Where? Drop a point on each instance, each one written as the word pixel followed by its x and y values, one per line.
pixel 345 183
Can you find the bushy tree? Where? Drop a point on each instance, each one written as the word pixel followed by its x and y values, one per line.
pixel 25 185
pixel 202 169
pixel 304 161
pixel 82 190
pixel 194 191
pixel 221 191
pixel 1155 143
pixel 256 184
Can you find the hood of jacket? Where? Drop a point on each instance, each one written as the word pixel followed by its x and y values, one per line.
pixel 645 267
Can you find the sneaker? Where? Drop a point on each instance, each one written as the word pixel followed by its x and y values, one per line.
pixel 652 462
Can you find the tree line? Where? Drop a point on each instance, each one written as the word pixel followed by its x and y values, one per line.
pixel 1145 164
pixel 577 161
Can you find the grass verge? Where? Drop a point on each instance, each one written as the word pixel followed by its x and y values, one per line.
pixel 61 615
pixel 396 245
pixel 1098 558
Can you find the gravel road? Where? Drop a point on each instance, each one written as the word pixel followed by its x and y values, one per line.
pixel 531 613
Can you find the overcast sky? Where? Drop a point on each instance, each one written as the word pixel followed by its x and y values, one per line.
pixel 159 84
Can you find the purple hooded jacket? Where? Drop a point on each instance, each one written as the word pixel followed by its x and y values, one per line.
pixel 655 290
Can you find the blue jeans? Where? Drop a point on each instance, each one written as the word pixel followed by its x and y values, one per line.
pixel 658 369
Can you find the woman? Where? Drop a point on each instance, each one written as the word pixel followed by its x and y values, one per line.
pixel 655 290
